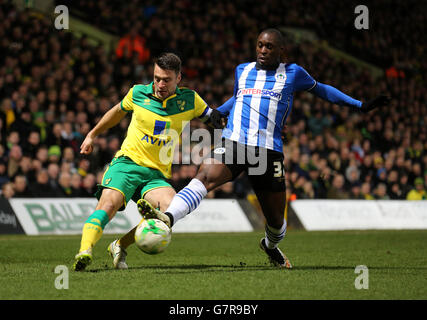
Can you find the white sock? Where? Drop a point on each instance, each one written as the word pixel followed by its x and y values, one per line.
pixel 187 200
pixel 273 236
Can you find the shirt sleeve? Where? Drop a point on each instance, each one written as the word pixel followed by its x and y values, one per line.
pixel 303 80
pixel 200 106
pixel 226 106
pixel 126 104
pixel 333 95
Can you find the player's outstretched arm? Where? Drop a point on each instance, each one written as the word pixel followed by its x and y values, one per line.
pixel 335 96
pixel 111 118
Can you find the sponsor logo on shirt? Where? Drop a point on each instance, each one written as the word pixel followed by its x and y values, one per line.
pixel 259 92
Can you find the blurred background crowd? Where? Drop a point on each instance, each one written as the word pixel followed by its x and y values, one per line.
pixel 54 87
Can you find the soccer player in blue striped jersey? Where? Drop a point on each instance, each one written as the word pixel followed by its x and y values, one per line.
pixel 257 112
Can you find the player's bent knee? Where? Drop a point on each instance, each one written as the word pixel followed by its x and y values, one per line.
pixel 202 174
pixel 161 197
pixel 213 175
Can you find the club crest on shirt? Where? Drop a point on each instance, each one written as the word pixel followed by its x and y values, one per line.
pixel 280 76
pixel 181 104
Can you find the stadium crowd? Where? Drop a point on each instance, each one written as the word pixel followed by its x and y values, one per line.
pixel 54 87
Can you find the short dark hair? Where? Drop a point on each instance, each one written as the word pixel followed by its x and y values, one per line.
pixel 279 36
pixel 169 61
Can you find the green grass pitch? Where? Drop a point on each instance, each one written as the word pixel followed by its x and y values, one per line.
pixel 222 266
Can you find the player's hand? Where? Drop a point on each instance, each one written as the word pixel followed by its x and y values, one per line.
pixel 87 145
pixel 216 120
pixel 381 100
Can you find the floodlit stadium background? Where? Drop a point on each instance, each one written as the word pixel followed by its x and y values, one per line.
pixel 56 84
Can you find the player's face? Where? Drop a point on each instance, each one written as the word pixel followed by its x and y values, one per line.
pixel 268 50
pixel 165 82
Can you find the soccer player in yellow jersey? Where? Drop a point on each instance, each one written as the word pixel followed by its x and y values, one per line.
pixel 139 170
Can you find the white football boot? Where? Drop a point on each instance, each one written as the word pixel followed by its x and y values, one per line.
pixel 118 254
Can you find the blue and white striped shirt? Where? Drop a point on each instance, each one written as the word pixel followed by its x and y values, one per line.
pixel 262 101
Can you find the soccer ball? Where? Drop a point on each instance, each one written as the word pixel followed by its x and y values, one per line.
pixel 152 236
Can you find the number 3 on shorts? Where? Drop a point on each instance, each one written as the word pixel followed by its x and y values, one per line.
pixel 278 169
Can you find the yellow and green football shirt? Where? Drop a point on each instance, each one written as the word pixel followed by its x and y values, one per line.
pixel 156 125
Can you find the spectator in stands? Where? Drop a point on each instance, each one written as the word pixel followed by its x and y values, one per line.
pixel 3 156
pixel 13 138
pixel 380 192
pixel 4 178
pixel 88 185
pixel 20 186
pixel 319 123
pixel 366 191
pixel 32 144
pixel 68 156
pixel 83 167
pixel 53 174
pixel 76 184
pixel 55 137
pixel 319 186
pixel 394 192
pixel 26 168
pixel 42 155
pixel 131 44
pixel 356 192
pixel 7 190
pixel 337 191
pixel 298 185
pixel 15 156
pixel 41 187
pixel 308 191
pixel 23 123
pixel 65 184
pixel 6 108
pixel 419 192
pixel 404 185
pixel 54 154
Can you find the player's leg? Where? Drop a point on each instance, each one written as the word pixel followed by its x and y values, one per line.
pixel 275 228
pixel 218 168
pixel 118 184
pixel 109 203
pixel 270 190
pixel 160 197
pixel 209 176
pixel 156 191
